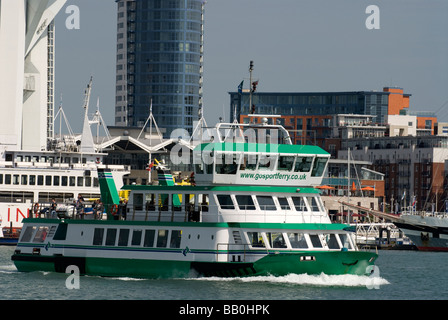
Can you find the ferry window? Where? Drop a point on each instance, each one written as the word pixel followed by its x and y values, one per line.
pixel 24 180
pixel 80 181
pixel 123 237
pixel 315 240
pixel 225 201
pixel 95 182
pixel 266 162
pixel 111 235
pixel 299 203
pixel 1 178
pixel 163 202
pixel 208 160
pixel 249 162
pixel 15 179
pixel 284 205
pixel 285 163
pixel 162 238
pixel 256 240
pixel 276 240
pixel 198 168
pixel 204 202
pixel 26 237
pixel 136 237
pixel 149 238
pixel 61 232
pixel 313 203
pixel 175 238
pixel 176 202
pixel 266 203
pixel 150 202
pixel 64 180
pixel 5 196
pixel 303 164
pixel 138 201
pixel 32 180
pixel 48 180
pixel 319 166
pixel 297 240
pixel 72 181
pixel 345 241
pixel 56 180
pixel 7 179
pixel 41 234
pixel 88 181
pixel 226 163
pixel 245 202
pixel 98 235
pixel 332 242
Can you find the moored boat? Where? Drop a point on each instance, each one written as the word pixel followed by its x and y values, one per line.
pixel 252 211
pixel 427 230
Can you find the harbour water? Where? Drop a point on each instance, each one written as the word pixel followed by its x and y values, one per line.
pixel 403 275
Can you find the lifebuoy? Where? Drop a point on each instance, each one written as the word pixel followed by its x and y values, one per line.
pixel 114 209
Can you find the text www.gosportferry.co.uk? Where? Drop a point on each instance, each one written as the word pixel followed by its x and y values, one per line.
pixel 273 176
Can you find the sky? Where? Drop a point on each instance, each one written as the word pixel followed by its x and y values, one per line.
pixel 296 46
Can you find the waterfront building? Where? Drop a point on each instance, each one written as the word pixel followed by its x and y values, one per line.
pixel 27 54
pixel 414 167
pixel 159 63
pixel 309 114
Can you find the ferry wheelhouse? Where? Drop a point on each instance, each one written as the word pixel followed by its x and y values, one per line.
pixel 252 211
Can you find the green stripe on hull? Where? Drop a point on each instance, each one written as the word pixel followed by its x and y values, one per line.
pixel 315 262
pixel 138 268
pixel 311 262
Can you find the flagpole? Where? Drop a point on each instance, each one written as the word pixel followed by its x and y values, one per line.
pixel 251 67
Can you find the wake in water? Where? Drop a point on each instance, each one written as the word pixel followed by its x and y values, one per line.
pixel 322 280
pixel 9 268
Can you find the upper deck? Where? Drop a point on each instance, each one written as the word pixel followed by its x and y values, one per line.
pixel 257 154
pixel 259 164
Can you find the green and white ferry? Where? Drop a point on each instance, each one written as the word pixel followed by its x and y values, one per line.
pixel 253 210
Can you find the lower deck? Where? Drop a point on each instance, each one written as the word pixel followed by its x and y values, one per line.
pixel 98 245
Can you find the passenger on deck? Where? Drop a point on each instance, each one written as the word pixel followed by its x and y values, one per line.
pixel 79 206
pixel 53 206
pixel 99 208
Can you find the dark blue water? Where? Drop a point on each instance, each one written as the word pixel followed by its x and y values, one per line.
pixel 404 275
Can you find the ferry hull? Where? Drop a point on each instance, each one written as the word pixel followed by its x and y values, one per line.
pixel 333 263
pixel 426 238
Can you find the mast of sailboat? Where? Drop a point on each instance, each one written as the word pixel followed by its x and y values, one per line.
pixel 348 185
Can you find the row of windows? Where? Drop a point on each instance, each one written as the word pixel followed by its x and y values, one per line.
pixel 186 202
pixel 167 36
pixel 45 159
pixel 164 238
pixel 150 238
pixel 169 46
pixel 40 180
pixel 294 240
pixel 229 163
pixel 165 4
pixel 248 202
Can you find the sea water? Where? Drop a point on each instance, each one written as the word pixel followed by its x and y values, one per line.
pixel 404 275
